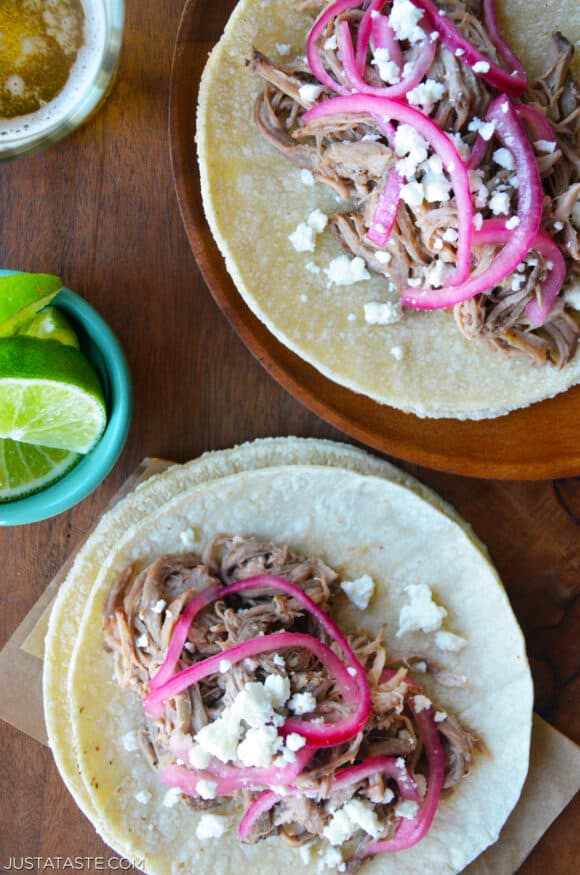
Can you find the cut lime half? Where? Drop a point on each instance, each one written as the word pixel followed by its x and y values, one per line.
pixel 25 468
pixel 22 295
pixel 50 395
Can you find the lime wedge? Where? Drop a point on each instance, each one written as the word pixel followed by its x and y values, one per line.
pixel 51 324
pixel 25 469
pixel 22 295
pixel 49 395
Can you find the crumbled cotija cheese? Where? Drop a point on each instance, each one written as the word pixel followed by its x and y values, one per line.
pixel 206 789
pixel 406 808
pixel 211 826
pixel 359 591
pixel 421 703
pixel 449 641
pixel 404 20
pixel 382 313
pixel 310 93
pixel 420 613
pixel 344 271
pixel 302 703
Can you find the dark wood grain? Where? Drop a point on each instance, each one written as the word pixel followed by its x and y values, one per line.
pixel 100 209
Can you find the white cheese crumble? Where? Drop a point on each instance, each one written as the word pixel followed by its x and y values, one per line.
pixel 387 69
pixel 558 226
pixel 142 641
pixel 449 641
pixel 406 808
pixel 512 223
pixel 303 237
pixel 547 146
pixel 130 741
pixel 311 268
pixel 295 742
pixel 344 271
pixel 309 94
pixel 484 129
pixel 450 235
pixel 224 666
pixel 206 789
pixel 259 746
pixel 504 158
pixel 477 221
pixel 421 703
pixel 404 20
pixel 499 203
pixel 426 94
pixel 572 298
pixel 283 48
pixel 159 606
pixel 278 660
pixel 421 613
pixel 143 797
pixel 382 313
pixel 198 757
pixel 331 43
pixel 302 703
pixel 459 52
pixel 359 591
pixel 408 141
pixel 412 193
pixel 332 859
pixel 306 177
pixel 382 256
pixel 172 797
pixel 480 67
pixel 211 826
pixel 353 815
pixel 397 352
pixel 352 671
pixel 440 716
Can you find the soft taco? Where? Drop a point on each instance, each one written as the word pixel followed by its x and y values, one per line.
pixel 335 625
pixel 396 199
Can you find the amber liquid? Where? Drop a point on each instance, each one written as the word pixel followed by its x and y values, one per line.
pixel 39 43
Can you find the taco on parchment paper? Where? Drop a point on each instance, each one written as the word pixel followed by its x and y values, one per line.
pixel 426 617
pixel 328 219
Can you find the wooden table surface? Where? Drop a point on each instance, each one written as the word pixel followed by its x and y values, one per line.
pixel 99 209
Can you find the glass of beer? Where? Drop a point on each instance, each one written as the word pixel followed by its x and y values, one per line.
pixel 58 59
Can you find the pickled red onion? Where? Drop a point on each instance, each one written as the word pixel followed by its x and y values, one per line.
pixel 420 67
pixel 386 210
pixel 494 231
pixel 312 52
pixel 410 831
pixel 210 594
pixel 365 29
pixel 323 734
pixel 452 38
pixel 509 130
pixel 230 779
pixel 390 766
pixel 381 108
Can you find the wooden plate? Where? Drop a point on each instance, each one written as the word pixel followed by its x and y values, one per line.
pixel 541 441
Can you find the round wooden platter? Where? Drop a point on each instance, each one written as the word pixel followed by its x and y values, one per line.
pixel 537 442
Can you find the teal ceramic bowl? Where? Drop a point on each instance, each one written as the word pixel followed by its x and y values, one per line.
pixel 101 347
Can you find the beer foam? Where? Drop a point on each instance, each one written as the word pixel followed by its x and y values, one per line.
pixel 83 75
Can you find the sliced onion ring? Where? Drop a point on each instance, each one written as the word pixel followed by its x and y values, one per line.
pixel 494 231
pixel 381 109
pixel 452 38
pixel 509 130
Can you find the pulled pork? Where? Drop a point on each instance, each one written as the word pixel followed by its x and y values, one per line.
pixel 351 156
pixel 140 614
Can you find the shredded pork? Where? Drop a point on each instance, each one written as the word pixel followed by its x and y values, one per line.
pixel 140 614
